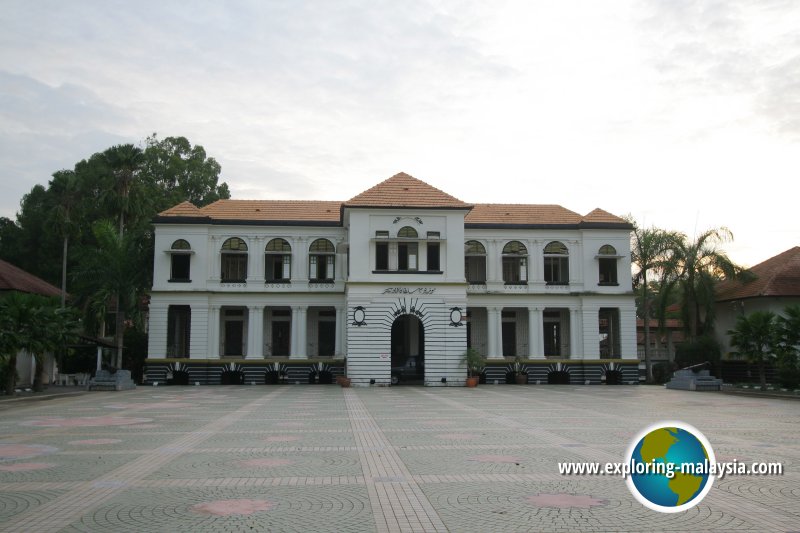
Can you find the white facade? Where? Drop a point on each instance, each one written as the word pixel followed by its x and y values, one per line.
pixel 373 293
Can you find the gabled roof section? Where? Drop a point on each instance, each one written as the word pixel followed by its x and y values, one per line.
pixel 521 215
pixel 183 209
pixel 603 217
pixel 777 276
pixel 402 190
pixel 15 279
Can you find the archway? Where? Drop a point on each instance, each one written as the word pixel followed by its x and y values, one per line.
pixel 408 350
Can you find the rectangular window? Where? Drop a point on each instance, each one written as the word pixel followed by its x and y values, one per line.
pixel 178 330
pixel 381 256
pixel 433 257
pixel 407 256
pixel 320 267
pixel 511 269
pixel 276 268
pixel 234 267
pixel 381 234
pixel 475 269
pixel 608 271
pixel 180 267
pixel 556 270
pixel 608 325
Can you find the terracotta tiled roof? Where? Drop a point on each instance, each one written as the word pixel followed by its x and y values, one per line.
pixel 604 217
pixel 777 276
pixel 183 209
pixel 521 214
pixel 273 210
pixel 15 279
pixel 402 190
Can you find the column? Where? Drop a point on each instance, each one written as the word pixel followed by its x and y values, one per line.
pixel 299 328
pixel 337 351
pixel 535 334
pixel 574 334
pixel 494 333
pixel 213 332
pixel 255 332
pixel 590 318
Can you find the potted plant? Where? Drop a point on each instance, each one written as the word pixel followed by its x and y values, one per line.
pixel 520 372
pixel 475 363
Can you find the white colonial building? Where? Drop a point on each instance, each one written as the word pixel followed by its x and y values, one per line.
pixel 393 284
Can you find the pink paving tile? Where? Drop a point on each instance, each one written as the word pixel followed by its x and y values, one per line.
pixel 233 507
pixel 25 467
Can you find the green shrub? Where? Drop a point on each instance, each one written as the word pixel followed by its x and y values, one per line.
pixel 662 372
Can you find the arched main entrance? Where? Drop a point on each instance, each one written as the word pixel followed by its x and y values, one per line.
pixel 408 350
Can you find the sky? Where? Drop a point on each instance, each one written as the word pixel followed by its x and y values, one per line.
pixel 684 114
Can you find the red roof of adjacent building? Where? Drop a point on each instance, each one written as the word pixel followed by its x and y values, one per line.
pixel 15 279
pixel 399 191
pixel 777 276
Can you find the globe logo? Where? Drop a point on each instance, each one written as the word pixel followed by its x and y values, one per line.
pixel 669 467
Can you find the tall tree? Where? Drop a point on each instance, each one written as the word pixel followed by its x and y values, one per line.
pixel 65 188
pixel 651 251
pixel 112 272
pixel 697 267
pixel 125 161
pixel 182 171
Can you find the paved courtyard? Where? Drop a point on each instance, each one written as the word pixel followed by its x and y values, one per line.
pixel 323 458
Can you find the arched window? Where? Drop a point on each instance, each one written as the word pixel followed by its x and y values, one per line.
pixel 407 232
pixel 278 261
pixel 515 263
pixel 607 265
pixel 321 261
pixel 233 267
pixel 556 263
pixel 474 262
pixel 180 257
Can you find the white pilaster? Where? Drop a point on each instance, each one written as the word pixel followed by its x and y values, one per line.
pixel 213 332
pixel 339 331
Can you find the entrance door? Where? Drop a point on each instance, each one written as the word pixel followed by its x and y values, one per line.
pixel 234 334
pixel 408 349
pixel 326 338
pixel 509 339
pixel 281 333
pixel 552 338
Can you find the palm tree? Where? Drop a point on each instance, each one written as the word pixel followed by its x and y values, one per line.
pixel 651 252
pixel 111 272
pixel 755 335
pixel 125 161
pixel 65 185
pixel 698 265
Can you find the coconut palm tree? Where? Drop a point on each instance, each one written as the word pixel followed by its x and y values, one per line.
pixel 112 272
pixel 651 253
pixel 697 265
pixel 65 185
pixel 756 337
pixel 125 161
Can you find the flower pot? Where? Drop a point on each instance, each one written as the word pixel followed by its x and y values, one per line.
pixel 344 382
pixel 472 381
pixel 521 379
